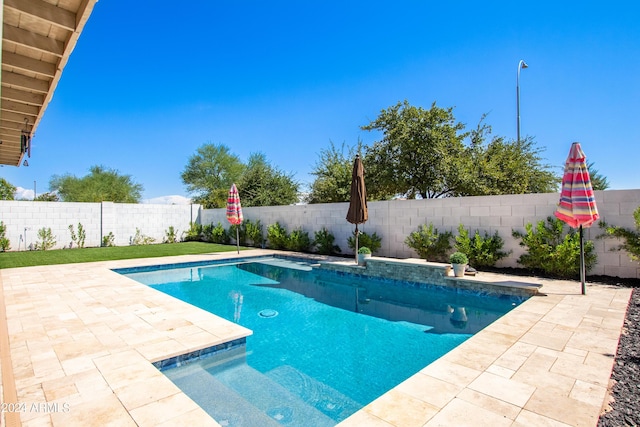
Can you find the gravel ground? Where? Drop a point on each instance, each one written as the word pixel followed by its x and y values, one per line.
pixel 624 409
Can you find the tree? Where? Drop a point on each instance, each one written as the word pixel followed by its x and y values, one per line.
pixel 420 154
pixel 598 181
pixel 101 184
pixel 262 184
pixel 47 197
pixel 210 173
pixel 504 167
pixel 7 190
pixel 332 173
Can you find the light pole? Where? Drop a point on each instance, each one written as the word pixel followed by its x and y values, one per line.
pixel 521 65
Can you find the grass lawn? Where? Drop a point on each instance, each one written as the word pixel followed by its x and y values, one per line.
pixel 67 256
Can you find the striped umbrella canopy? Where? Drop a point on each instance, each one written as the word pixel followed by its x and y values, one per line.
pixel 234 211
pixel 577 206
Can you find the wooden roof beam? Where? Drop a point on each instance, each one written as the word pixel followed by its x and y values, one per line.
pixel 25 63
pixel 31 40
pixel 29 98
pixel 46 11
pixel 22 81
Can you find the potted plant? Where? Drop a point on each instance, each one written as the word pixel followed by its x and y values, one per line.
pixel 363 253
pixel 459 262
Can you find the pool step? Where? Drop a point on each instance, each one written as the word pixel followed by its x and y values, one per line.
pixel 237 395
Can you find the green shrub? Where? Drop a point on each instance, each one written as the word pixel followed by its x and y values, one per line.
pixel 429 243
pixel 553 252
pixel 323 240
pixel 277 236
pixel 140 239
pixel 80 237
pixel 373 242
pixel 194 233
pixel 458 258
pixel 253 232
pixel 46 239
pixel 299 241
pixel 170 235
pixel 108 240
pixel 482 251
pixel 631 238
pixel 216 234
pixel 4 242
pixel 364 250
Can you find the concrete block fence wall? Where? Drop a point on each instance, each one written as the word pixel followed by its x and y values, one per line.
pixel 23 219
pixel 392 220
pixel 395 220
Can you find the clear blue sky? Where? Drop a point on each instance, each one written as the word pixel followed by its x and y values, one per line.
pixel 150 82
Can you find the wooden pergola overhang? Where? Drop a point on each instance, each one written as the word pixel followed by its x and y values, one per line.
pixel 38 37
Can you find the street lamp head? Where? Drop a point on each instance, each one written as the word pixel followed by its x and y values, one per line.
pixel 524 65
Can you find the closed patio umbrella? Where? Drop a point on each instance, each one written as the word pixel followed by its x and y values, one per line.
pixel 577 205
pixel 358 212
pixel 234 211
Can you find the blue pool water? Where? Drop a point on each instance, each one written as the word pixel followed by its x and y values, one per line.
pixel 324 344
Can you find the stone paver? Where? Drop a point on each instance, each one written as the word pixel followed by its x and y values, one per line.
pixel 82 339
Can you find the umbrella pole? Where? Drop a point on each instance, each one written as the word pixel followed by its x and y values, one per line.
pixel 238 238
pixel 356 243
pixel 582 268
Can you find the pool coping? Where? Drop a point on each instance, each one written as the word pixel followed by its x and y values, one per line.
pixel 84 336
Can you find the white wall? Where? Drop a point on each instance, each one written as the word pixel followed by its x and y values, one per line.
pixel 392 220
pixel 395 220
pixel 24 218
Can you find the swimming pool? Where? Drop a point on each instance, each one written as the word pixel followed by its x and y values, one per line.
pixel 324 345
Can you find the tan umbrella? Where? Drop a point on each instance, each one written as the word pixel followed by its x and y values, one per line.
pixel 358 212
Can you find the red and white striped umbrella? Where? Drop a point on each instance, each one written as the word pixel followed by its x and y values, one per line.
pixel 234 211
pixel 577 206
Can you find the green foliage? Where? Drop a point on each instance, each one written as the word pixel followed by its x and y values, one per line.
pixel 253 232
pixel 170 235
pixel 262 184
pixel 323 240
pixel 141 239
pixel 482 251
pixel 210 173
pixel 47 197
pixel 420 153
pixel 598 181
pixel 80 237
pixel 503 167
pixel 46 239
pixel 109 240
pixel 101 184
pixel 631 238
pixel 458 258
pixel 364 250
pixel 299 241
pixel 332 173
pixel 216 234
pixel 373 242
pixel 7 190
pixel 552 251
pixel 4 242
pixel 194 233
pixel 429 243
pixel 277 236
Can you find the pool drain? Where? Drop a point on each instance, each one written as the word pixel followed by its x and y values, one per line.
pixel 267 313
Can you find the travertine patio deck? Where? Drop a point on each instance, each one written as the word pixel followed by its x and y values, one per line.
pixel 82 338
